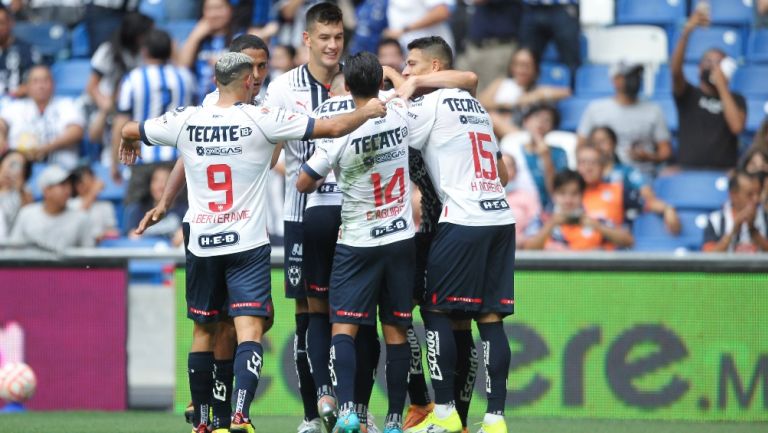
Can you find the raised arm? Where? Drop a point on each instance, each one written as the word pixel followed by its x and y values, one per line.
pixel 345 123
pixel 735 116
pixel 450 79
pixel 697 18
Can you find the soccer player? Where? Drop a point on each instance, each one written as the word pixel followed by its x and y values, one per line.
pixel 373 264
pixel 304 89
pixel 471 260
pixel 227 148
pixel 225 340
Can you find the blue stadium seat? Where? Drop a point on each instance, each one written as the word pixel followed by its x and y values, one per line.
pixel 757 111
pixel 751 81
pixel 757 46
pixel 50 39
pixel 651 234
pixel 154 9
pixel 669 108
pixel 555 74
pixel 112 191
pixel 657 12
pixel 663 83
pixel 594 80
pixel 693 190
pixel 80 46
pixel 71 76
pixel 571 110
pixel 731 12
pixel 726 38
pixel 179 30
pixel 550 52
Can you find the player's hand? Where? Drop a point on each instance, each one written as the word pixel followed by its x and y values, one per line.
pixel 407 89
pixel 671 220
pixel 375 108
pixel 129 151
pixel 152 217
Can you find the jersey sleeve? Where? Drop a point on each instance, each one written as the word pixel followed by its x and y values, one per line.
pixel 275 95
pixel 321 163
pixel 279 124
pixel 421 118
pixel 166 129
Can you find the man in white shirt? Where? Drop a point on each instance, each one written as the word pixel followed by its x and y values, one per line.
pixel 45 127
pixel 373 263
pixel 227 149
pixel 470 268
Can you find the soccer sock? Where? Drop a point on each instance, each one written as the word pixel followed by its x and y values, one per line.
pixel 318 346
pixel 466 371
pixel 200 370
pixel 417 383
pixel 306 384
pixel 441 355
pixel 342 364
pixel 398 363
pixel 223 375
pixel 496 356
pixel 367 350
pixel 248 362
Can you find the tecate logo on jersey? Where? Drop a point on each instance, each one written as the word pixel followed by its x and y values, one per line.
pixel 224 133
pixel 397 225
pixel 219 150
pixel 218 240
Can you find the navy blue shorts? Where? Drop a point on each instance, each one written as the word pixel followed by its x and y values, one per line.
pixel 240 282
pixel 293 265
pixel 423 243
pixel 366 277
pixel 321 230
pixel 471 270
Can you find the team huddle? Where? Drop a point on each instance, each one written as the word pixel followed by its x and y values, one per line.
pixel 353 252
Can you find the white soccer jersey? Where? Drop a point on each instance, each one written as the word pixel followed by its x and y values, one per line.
pixel 329 193
pixel 371 166
pixel 299 91
pixel 455 135
pixel 226 153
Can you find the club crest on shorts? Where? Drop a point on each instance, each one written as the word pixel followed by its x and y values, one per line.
pixel 294 275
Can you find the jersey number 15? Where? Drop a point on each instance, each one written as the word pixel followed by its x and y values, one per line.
pixel 480 155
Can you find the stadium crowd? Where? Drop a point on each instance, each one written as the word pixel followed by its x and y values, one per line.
pixel 627 155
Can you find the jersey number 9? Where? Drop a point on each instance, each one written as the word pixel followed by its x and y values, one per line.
pixel 220 179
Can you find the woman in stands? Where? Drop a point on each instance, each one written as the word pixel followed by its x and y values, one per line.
pixel 170 226
pixel 508 97
pixel 755 161
pixel 15 170
pixel 638 194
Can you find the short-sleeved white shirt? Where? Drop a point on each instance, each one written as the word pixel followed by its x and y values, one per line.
pixel 401 13
pixel 28 128
pixel 371 167
pixel 455 135
pixel 226 154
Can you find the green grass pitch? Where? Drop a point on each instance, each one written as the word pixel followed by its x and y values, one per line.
pixel 163 422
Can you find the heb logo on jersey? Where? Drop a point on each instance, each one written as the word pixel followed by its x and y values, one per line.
pixel 489 205
pixel 382 140
pixel 225 133
pixel 219 150
pixel 218 240
pixel 329 188
pixel 397 225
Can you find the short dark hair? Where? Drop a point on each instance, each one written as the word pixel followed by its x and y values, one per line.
pixel 323 13
pixel 247 41
pixel 733 181
pixel 544 107
pixel 158 44
pixel 290 48
pixel 363 74
pixel 389 41
pixel 608 130
pixel 436 46
pixel 567 176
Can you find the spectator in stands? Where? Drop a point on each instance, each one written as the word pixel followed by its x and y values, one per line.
pixel 413 19
pixel 102 17
pixel 207 42
pixel 493 33
pixel 182 10
pixel 263 18
pixel 760 140
pixel 569 226
pixel 643 137
pixel 49 224
pixel 524 202
pixel 65 12
pixel 533 156
pixel 711 116
pixel 742 224
pixel 761 12
pixel 390 53
pixel 281 60
pixel 603 201
pixel 509 97
pixel 558 21
pixel 44 127
pixel 170 226
pixel 101 213
pixel 371 17
pixel 755 161
pixel 148 91
pixel 15 170
pixel 16 57
pixel 638 194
